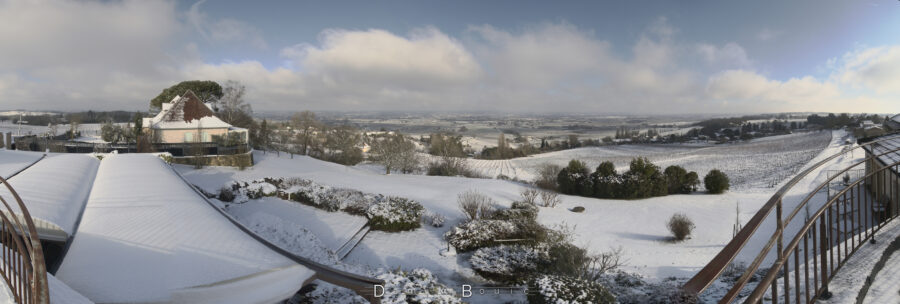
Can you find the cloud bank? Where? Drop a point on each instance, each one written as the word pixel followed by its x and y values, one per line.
pixel 119 55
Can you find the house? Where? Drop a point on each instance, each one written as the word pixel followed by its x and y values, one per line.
pixel 894 123
pixel 188 120
pixel 884 183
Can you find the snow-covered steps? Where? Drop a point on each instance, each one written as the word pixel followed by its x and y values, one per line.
pixel 344 251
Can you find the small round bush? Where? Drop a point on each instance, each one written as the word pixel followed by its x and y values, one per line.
pixel 578 209
pixel 564 289
pixel 395 214
pixel 716 181
pixel 680 226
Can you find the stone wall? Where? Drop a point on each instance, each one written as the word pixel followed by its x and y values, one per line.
pixel 237 160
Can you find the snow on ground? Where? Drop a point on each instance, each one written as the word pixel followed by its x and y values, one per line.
pixel 55 190
pixel 14 161
pixel 637 226
pixel 333 229
pixel 884 288
pixel 758 163
pixel 642 233
pixel 848 281
pixel 60 293
pixel 146 236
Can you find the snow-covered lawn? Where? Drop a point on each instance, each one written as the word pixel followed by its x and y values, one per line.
pixel 637 226
pixel 333 229
pixel 14 161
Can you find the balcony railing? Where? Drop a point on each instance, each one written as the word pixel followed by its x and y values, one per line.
pixel 23 269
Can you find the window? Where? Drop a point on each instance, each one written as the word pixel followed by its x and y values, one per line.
pixel 188 137
pixel 206 137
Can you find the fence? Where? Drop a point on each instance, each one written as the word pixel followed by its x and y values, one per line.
pixel 23 268
pixel 842 223
pixel 33 143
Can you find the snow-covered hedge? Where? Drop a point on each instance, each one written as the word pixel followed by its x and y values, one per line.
pixel 384 213
pixel 480 233
pixel 416 286
pixel 519 210
pixel 562 289
pixel 395 214
pixel 506 263
pixel 513 225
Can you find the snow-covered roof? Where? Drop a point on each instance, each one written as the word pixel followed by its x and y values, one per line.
pixel 55 191
pixel 889 142
pixel 146 236
pixel 185 112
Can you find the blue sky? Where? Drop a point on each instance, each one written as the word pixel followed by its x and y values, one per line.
pixel 650 57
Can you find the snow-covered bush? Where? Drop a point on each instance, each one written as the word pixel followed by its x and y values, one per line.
pixel 484 233
pixel 433 219
pixel 395 214
pixel 506 263
pixel 226 194
pixel 518 210
pixel 416 286
pixel 562 289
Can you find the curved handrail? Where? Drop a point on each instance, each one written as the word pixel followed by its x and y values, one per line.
pixel 23 266
pixel 709 273
pixel 362 285
pixel 770 277
pixel 777 235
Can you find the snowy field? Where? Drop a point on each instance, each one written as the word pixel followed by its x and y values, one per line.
pixel 637 226
pixel 89 132
pixel 758 163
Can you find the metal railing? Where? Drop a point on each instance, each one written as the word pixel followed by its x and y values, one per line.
pixel 721 261
pixel 23 267
pixel 33 143
pixel 845 222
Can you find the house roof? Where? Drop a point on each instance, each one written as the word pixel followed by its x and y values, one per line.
pixel 185 112
pixel 887 143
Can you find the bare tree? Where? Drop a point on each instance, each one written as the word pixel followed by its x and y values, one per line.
pixel 306 123
pixel 395 152
pixel 235 110
pixel 549 199
pixel 475 205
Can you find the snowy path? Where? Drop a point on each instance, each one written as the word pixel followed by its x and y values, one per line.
pixel 847 282
pixel 146 236
pixel 11 162
pixel 886 285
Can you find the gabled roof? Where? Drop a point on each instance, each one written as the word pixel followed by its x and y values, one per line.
pixel 185 112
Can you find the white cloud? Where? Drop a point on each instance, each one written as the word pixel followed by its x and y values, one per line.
pixel 876 68
pixel 731 54
pixel 225 30
pixel 118 55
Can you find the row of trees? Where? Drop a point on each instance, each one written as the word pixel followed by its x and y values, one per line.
pixel 643 179
pixel 304 134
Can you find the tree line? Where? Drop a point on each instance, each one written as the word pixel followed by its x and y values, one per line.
pixel 643 179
